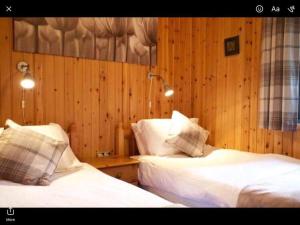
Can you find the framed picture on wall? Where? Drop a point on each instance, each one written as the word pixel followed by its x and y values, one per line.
pixel 232 46
pixel 120 39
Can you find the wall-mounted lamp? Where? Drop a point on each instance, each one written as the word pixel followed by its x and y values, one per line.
pixel 168 91
pixel 167 88
pixel 27 81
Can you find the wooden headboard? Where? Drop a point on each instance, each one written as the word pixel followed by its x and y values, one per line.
pixel 125 141
pixel 74 138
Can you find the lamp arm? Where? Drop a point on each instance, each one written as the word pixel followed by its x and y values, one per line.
pixel 151 75
pixel 168 91
pixel 149 99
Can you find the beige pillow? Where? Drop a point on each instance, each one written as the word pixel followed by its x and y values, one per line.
pixel 186 136
pixel 68 161
pixel 191 140
pixel 28 157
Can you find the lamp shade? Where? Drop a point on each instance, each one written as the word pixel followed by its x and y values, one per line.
pixel 27 82
pixel 168 90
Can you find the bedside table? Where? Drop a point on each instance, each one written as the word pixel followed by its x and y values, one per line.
pixel 123 168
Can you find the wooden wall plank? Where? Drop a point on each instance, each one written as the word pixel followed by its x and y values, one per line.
pixel 220 139
pixel 248 27
pixel 87 109
pixel 170 62
pixel 296 145
pixel 17 113
pixel 49 103
pixel 212 82
pixel 126 93
pixel 59 90
pixel 115 104
pixel 176 60
pixel 231 125
pixel 95 108
pixel 103 105
pixel 236 69
pixel 69 90
pixel 78 105
pixel 278 135
pixel 39 89
pixel 254 84
pixel 287 143
pixel 6 102
pixel 164 68
pixel 186 71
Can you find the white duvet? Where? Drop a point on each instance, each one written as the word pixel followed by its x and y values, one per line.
pixel 212 181
pixel 86 187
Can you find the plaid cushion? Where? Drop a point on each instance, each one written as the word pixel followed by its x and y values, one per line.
pixel 190 140
pixel 28 157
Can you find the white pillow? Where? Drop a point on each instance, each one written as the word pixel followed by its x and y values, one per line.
pixel 68 161
pixel 154 133
pixel 12 124
pixel 1 130
pixel 178 121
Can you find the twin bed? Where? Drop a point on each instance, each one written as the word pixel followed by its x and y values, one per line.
pixel 220 178
pixel 84 187
pixel 81 186
pixel 224 178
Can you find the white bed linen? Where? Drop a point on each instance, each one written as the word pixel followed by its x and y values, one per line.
pixel 85 187
pixel 212 181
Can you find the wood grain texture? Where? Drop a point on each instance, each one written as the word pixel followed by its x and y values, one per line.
pixel 115 161
pixel 96 95
pixel 226 89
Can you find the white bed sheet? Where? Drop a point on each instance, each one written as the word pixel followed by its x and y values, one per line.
pixel 212 181
pixel 86 187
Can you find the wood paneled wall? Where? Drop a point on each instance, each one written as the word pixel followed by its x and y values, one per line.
pixel 226 89
pixel 96 95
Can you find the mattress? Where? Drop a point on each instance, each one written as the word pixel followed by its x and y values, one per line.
pixel 85 187
pixel 215 180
